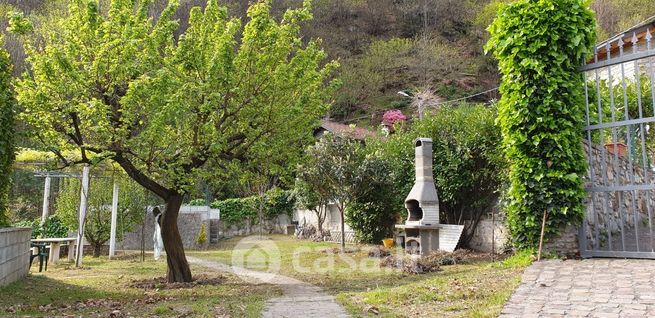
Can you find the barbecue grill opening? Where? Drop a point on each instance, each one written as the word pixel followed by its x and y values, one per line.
pixel 415 211
pixel 413 247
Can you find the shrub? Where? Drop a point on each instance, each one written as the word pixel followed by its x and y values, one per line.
pixel 239 210
pixel 539 46
pixel 373 214
pixel 201 238
pixel 469 168
pixel 236 210
pixel 52 227
pixel 198 202
pixel 278 202
pixel 34 224
pixel 392 117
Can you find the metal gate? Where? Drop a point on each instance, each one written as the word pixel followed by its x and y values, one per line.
pixel 620 144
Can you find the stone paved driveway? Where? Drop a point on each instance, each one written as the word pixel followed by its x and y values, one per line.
pixel 585 288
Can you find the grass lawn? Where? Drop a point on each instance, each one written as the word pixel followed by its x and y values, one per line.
pixel 476 289
pixel 103 287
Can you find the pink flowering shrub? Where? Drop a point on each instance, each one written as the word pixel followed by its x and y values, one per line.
pixel 392 117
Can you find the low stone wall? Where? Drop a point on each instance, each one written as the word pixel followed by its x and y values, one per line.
pixel 490 234
pixel 275 226
pixel 189 222
pixel 14 254
pixel 565 244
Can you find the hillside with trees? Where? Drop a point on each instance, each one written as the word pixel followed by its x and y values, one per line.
pixel 383 46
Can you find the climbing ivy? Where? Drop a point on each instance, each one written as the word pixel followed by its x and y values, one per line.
pixel 539 46
pixel 7 154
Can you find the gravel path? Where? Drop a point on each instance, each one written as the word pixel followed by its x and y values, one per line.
pixel 585 288
pixel 300 299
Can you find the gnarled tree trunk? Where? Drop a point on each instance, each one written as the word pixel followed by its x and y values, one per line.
pixel 178 267
pixel 97 249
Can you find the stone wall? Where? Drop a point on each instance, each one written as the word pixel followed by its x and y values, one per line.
pixel 610 212
pixel 247 227
pixel 606 211
pixel 490 233
pixel 14 254
pixel 189 222
pixel 565 244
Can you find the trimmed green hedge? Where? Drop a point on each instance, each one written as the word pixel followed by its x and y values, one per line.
pixel 539 46
pixel 236 211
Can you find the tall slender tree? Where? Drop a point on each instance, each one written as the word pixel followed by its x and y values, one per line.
pixel 119 86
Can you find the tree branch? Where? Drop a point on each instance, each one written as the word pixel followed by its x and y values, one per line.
pixel 141 178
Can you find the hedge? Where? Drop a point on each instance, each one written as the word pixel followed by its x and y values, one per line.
pixel 539 46
pixel 236 211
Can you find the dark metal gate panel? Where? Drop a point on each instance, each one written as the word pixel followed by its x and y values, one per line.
pixel 620 144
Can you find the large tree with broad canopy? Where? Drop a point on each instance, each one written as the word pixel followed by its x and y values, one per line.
pixel 115 84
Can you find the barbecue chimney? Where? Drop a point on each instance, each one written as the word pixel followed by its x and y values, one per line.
pixel 422 203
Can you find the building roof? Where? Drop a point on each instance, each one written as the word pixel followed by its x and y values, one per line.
pixel 346 130
pixel 640 30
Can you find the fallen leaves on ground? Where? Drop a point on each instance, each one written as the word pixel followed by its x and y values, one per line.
pixel 162 283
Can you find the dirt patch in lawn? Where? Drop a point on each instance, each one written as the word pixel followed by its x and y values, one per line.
pixel 162 283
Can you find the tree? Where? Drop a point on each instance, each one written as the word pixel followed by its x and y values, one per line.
pixel 341 162
pixel 312 193
pixel 118 86
pixel 7 154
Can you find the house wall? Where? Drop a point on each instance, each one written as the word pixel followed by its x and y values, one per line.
pixel 332 220
pixel 14 254
pixel 332 223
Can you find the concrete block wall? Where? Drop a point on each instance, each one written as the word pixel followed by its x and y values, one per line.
pixel 14 254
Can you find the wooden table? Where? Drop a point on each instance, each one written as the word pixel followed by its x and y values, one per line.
pixel 55 244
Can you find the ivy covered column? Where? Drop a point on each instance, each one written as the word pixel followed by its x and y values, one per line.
pixel 539 46
pixel 6 132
